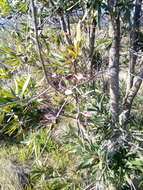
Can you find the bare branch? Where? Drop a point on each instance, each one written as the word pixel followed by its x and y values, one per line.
pixel 65 29
pixel 134 43
pixel 130 96
pixel 37 40
pixel 27 100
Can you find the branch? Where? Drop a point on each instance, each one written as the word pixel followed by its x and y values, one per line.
pixel 27 100
pixel 92 37
pixel 130 96
pixel 134 44
pixel 68 25
pixel 38 42
pixel 91 43
pixel 64 29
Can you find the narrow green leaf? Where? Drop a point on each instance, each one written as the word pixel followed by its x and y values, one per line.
pixel 25 85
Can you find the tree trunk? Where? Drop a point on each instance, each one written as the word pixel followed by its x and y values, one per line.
pixel 91 44
pixel 133 83
pixel 65 30
pixel 92 37
pixel 130 97
pixel 134 44
pixel 114 34
pixel 65 27
pixel 68 25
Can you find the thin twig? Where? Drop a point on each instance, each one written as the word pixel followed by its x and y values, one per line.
pixel 60 110
pixel 27 100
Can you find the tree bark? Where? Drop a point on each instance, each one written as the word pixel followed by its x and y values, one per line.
pixel 134 43
pixel 68 25
pixel 65 30
pixel 65 27
pixel 114 34
pixel 34 14
pixel 91 43
pixel 130 97
pixel 133 83
pixel 92 37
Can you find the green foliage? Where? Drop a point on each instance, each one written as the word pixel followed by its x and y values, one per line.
pixel 5 8
pixel 94 151
pixel 15 113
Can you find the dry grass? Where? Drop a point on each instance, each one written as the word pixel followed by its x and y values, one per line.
pixel 12 177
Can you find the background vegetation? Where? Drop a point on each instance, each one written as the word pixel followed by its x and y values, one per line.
pixel 71 95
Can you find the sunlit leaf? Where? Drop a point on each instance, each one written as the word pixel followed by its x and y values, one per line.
pixel 25 85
